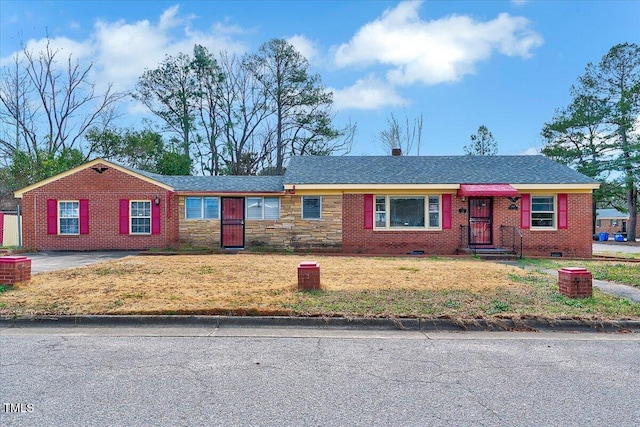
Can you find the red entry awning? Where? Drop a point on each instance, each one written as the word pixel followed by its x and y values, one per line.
pixel 486 190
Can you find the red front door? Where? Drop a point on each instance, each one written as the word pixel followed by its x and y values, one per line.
pixel 232 225
pixel 480 217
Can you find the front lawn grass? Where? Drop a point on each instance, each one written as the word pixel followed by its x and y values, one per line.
pixel 266 284
pixel 627 273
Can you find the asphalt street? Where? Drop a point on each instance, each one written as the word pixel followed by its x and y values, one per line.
pixel 614 247
pixel 315 377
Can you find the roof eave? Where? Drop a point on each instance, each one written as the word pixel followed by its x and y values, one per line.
pixel 19 193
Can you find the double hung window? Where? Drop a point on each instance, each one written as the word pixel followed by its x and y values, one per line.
pixel 543 212
pixel 69 217
pixel 140 215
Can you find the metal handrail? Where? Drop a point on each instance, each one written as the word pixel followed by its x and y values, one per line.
pixel 464 238
pixel 514 231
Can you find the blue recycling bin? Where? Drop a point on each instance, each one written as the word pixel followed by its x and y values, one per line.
pixel 604 237
pixel 618 237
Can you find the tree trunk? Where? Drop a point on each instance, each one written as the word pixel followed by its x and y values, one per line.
pixel 632 204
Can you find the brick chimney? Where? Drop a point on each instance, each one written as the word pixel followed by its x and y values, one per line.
pixel 396 152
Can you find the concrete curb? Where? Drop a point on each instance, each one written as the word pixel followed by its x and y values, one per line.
pixel 432 325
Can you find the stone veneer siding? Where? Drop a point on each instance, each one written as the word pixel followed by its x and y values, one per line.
pixel 288 232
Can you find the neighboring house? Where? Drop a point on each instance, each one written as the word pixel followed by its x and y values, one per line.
pixel 369 205
pixel 613 221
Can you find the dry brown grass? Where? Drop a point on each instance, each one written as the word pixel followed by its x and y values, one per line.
pixel 238 284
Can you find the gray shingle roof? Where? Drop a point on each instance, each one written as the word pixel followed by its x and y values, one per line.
pixel 222 184
pixel 431 170
pixel 388 170
pixel 610 214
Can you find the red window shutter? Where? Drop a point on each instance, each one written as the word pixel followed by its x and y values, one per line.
pixel 84 216
pixel 446 211
pixel 563 217
pixel 525 211
pixel 52 216
pixel 368 211
pixel 124 216
pixel 155 218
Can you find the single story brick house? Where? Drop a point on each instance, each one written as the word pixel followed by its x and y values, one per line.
pixel 352 204
pixel 613 221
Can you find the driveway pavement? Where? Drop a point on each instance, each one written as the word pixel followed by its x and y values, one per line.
pixel 51 261
pixel 617 247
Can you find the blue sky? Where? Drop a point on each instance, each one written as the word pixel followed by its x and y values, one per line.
pixel 505 64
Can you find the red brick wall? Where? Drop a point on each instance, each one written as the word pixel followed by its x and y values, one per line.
pixel 606 227
pixel 355 239
pixel 103 192
pixel 575 241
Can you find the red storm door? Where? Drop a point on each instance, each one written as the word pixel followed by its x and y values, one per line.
pixel 480 217
pixel 232 226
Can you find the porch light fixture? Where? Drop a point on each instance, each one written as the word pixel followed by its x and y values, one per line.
pixel 157 200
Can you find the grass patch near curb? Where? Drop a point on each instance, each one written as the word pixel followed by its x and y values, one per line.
pixel 627 273
pixel 255 284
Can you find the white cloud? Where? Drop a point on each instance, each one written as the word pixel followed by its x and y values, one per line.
pixel 436 51
pixel 369 93
pixel 305 46
pixel 169 19
pixel 531 151
pixel 121 50
pixel 62 46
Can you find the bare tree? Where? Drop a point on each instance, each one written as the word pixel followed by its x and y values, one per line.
pixel 406 136
pixel 46 107
pixel 299 104
pixel 242 114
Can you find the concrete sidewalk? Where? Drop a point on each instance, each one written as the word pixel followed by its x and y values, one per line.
pixel 625 291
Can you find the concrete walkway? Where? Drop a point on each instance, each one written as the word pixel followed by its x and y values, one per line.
pixel 625 291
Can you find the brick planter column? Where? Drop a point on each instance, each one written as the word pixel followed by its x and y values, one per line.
pixel 14 269
pixel 308 276
pixel 575 282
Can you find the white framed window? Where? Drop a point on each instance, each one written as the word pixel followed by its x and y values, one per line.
pixel 311 207
pixel 202 208
pixel 263 207
pixel 543 212
pixel 408 212
pixel 69 217
pixel 140 216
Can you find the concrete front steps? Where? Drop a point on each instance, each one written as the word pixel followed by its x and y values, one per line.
pixel 490 253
